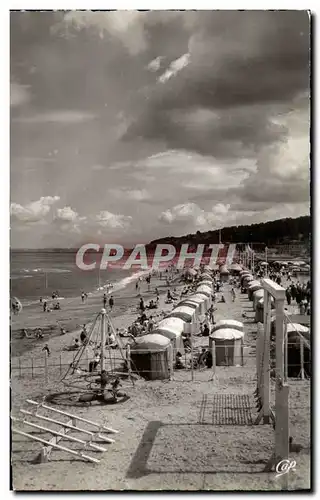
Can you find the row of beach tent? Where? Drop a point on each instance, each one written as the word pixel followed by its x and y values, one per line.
pixel 152 353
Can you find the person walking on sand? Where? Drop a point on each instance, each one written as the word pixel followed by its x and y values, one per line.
pixel 82 297
pixel 104 300
pixel 45 306
pixel 233 294
pixel 141 305
pixel 111 303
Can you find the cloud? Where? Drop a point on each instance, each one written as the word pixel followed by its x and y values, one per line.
pixel 192 216
pixel 113 221
pixel 237 81
pixel 230 127
pixel 19 94
pixel 175 67
pixel 127 26
pixel 130 194
pixel 64 117
pixel 68 214
pixel 33 212
pixel 155 64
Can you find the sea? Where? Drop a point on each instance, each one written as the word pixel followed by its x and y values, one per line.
pixel 38 274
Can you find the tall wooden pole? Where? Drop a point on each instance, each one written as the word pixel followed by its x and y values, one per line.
pixel 102 337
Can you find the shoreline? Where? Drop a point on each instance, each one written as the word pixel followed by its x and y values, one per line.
pixel 74 313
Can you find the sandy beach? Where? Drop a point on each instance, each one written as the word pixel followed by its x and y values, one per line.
pixel 166 438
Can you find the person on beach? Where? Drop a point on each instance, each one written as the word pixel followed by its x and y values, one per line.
pixel 111 303
pixel 141 305
pixel 94 363
pixel 233 294
pixel 45 306
pixel 104 300
pixel 82 297
pixel 40 300
pixel 150 324
pixel 137 285
pixel 288 296
pixel 83 336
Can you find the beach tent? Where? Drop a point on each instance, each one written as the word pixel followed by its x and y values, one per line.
pixel 235 268
pixel 259 309
pixel 228 323
pixel 296 327
pixel 208 268
pixel 205 289
pixel 172 328
pixel 246 282
pixel 186 313
pixel 190 273
pixel 198 301
pixel 244 271
pixel 206 276
pixel 150 355
pixel 256 296
pixel 224 273
pixel 253 287
pixel 245 279
pixel 205 282
pixel 228 346
pixel 298 346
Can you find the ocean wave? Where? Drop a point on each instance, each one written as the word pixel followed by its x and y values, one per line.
pixel 43 270
pixel 21 277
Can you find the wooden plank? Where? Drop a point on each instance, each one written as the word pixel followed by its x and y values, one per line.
pixel 59 447
pixel 81 419
pixel 282 422
pixel 58 435
pixel 280 339
pixel 277 291
pixel 213 353
pixel 266 360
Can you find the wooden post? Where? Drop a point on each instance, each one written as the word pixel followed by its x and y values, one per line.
pixel 282 422
pixel 46 373
pixel 242 352
pixel 266 359
pixel 213 353
pixel 129 360
pixel 279 338
pixel 171 361
pixel 102 338
pixel 81 419
pixel 285 349
pixel 191 339
pixel 302 357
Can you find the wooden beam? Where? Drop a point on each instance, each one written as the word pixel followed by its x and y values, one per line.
pixel 280 338
pixel 63 448
pixel 81 419
pixel 277 291
pixel 266 358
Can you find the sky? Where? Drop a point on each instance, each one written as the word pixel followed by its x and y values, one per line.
pixel 130 126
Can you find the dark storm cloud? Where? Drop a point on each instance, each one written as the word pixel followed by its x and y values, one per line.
pixel 239 60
